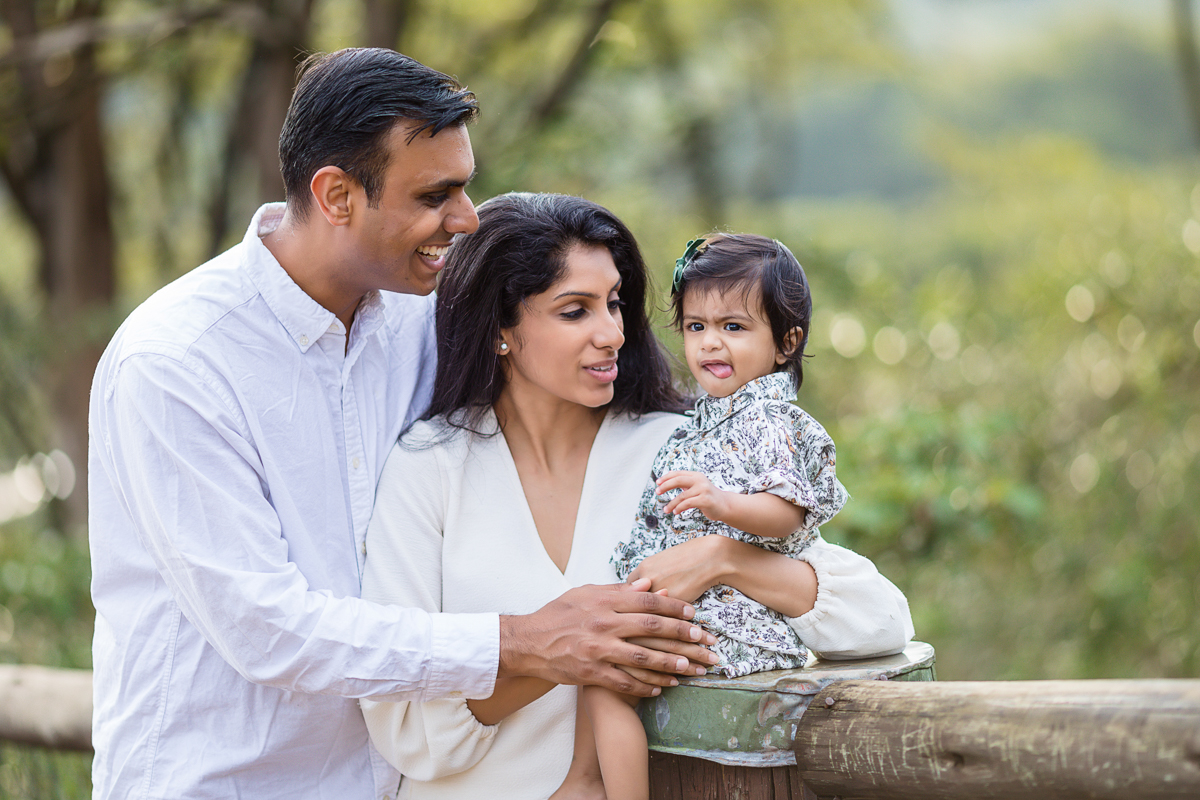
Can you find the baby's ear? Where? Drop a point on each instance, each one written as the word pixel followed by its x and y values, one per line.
pixel 791 341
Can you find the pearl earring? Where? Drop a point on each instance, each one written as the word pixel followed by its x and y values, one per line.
pixel 504 347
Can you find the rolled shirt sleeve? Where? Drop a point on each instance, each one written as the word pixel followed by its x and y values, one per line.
pixel 858 613
pixel 432 739
pixel 191 481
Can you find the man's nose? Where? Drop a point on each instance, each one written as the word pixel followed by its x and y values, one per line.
pixel 462 217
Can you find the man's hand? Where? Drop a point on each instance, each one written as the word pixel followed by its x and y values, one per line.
pixel 698 492
pixel 581 638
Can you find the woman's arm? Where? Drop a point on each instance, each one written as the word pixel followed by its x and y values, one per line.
pixel 836 601
pixel 687 570
pixel 432 739
pixel 511 695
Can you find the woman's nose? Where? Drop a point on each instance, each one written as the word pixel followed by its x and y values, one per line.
pixel 610 333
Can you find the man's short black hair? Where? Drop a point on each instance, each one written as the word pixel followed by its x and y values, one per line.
pixel 347 102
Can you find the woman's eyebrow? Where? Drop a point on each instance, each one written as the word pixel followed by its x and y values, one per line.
pixel 589 295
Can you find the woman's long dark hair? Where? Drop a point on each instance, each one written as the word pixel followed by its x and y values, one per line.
pixel 519 251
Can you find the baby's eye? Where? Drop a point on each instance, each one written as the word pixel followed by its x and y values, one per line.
pixel 694 327
pixel 732 326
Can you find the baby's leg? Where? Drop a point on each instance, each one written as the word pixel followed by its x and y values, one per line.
pixel 620 743
pixel 583 781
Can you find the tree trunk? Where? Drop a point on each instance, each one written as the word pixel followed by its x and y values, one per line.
pixel 56 168
pixel 251 152
pixel 1189 61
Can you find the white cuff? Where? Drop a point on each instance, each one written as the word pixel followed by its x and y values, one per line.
pixel 465 656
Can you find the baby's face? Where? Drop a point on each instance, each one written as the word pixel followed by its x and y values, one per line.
pixel 727 340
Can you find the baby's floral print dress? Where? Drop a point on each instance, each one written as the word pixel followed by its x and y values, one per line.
pixel 754 440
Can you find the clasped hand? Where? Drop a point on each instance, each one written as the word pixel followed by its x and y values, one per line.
pixel 622 636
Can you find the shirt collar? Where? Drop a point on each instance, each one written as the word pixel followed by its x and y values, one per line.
pixel 711 411
pixel 303 318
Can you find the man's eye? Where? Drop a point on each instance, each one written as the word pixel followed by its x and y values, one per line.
pixel 436 199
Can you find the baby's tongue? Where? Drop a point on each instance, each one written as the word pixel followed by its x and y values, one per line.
pixel 721 371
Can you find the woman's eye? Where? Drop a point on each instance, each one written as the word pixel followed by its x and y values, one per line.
pixel 615 304
pixel 573 314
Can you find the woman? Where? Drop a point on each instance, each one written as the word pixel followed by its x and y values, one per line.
pixel 552 398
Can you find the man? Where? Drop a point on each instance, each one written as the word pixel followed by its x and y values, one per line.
pixel 239 421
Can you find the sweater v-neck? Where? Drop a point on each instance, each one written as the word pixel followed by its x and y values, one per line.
pixel 582 509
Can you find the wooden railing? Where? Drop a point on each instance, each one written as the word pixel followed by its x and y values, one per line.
pixel 47 707
pixel 871 729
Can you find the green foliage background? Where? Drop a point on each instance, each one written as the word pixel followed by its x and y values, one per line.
pixel 1003 253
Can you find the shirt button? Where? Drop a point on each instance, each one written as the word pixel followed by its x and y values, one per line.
pixel 681 434
pixel 355 462
pixel 303 340
pixel 364 548
pixel 651 521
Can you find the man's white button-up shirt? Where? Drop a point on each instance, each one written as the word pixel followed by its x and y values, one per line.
pixel 235 445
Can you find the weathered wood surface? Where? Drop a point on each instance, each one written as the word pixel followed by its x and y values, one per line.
pixel 676 777
pixel 749 721
pixel 1044 739
pixel 46 707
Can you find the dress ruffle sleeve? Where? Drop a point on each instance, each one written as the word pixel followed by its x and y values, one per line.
pixel 858 614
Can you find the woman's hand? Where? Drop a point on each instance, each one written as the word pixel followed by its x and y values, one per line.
pixel 686 570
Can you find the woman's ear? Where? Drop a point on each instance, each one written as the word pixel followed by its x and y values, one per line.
pixel 791 341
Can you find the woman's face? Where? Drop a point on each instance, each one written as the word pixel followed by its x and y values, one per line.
pixel 565 345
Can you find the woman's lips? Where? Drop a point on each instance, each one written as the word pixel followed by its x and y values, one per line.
pixel 719 369
pixel 605 372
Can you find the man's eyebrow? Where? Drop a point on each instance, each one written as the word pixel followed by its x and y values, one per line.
pixel 448 184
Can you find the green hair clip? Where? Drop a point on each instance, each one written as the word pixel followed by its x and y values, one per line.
pixel 681 263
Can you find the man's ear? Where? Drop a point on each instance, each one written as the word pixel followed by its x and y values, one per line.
pixel 791 341
pixel 332 192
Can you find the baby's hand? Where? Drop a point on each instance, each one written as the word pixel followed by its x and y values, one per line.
pixel 698 492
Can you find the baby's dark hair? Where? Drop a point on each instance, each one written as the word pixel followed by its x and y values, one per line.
pixel 741 262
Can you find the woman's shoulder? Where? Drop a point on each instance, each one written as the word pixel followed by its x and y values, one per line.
pixel 649 425
pixel 426 443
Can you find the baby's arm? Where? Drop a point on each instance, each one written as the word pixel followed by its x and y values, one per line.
pixel 760 513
